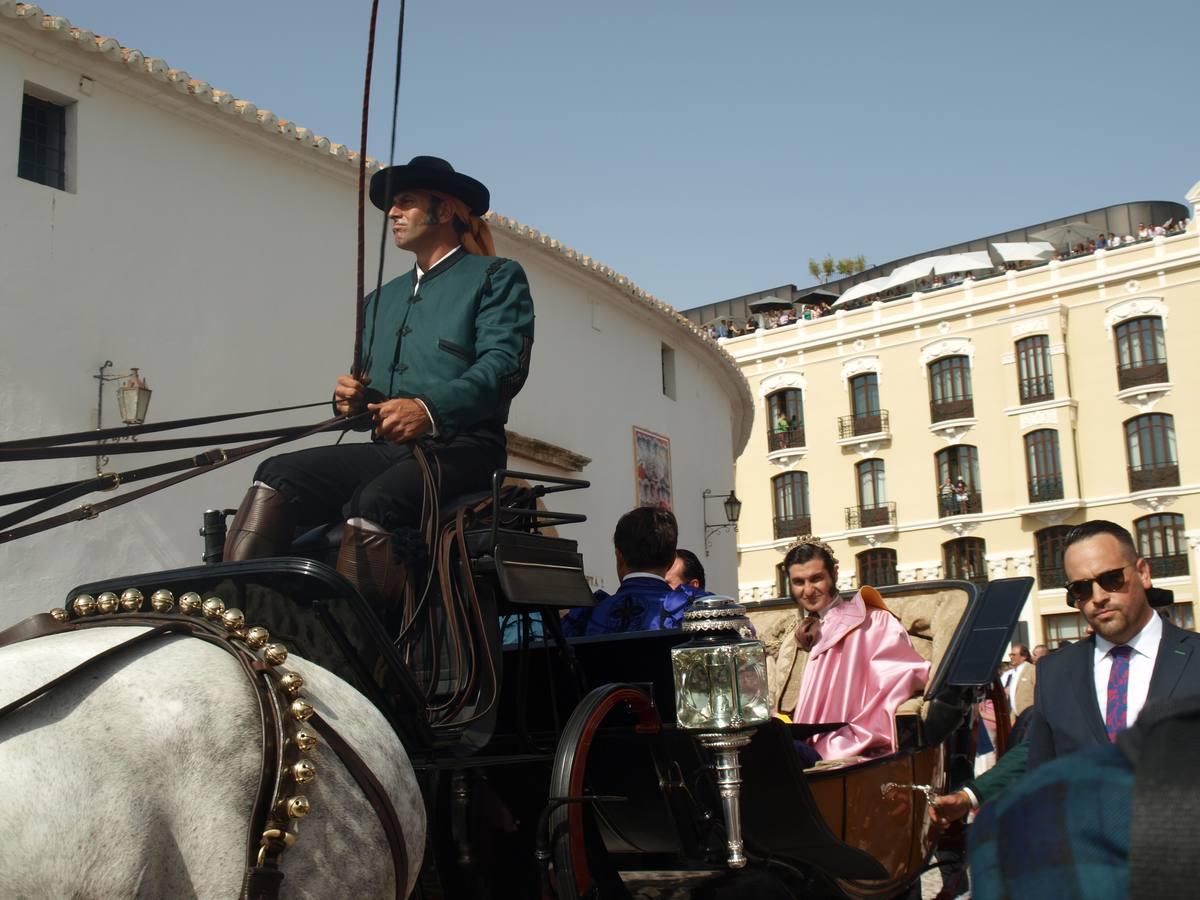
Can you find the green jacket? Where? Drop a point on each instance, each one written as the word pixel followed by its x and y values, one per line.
pixel 461 344
pixel 1008 770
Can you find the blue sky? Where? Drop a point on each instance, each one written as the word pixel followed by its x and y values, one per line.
pixel 709 149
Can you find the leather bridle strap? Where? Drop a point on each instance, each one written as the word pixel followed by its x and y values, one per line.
pixel 376 795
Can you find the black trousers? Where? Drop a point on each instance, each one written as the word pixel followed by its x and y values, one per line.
pixel 381 482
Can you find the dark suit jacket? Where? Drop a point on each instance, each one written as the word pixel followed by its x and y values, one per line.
pixel 1067 717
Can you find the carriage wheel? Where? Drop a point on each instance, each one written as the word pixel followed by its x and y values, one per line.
pixel 580 861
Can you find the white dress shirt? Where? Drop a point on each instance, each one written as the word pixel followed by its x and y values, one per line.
pixel 1141 666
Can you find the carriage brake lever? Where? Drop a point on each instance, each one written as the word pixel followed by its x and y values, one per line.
pixel 926 789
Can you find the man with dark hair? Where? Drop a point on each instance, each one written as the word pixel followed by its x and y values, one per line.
pixel 446 348
pixel 1019 681
pixel 644 542
pixel 687 570
pixel 1092 690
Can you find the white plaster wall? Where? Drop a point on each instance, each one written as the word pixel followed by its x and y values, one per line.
pixel 222 264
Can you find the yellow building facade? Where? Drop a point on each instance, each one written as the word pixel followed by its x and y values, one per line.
pixel 959 432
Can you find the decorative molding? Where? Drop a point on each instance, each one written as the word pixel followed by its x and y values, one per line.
pixel 960 528
pixel 860 365
pixel 866 446
pixel 1054 512
pixel 546 453
pixel 952 430
pixel 1144 397
pixel 997 564
pixel 1130 309
pixel 1152 501
pixel 1023 562
pixel 782 381
pixel 947 347
pixel 1038 418
pixel 787 458
pixel 1040 325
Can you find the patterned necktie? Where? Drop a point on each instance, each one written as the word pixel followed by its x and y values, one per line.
pixel 1118 690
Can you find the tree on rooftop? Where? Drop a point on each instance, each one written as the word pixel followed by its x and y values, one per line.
pixel 823 269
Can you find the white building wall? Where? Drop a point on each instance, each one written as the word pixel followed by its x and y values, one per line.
pixel 220 260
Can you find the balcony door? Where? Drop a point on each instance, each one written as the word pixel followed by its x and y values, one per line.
pixel 864 403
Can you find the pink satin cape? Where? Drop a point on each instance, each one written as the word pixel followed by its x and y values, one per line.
pixel 859 672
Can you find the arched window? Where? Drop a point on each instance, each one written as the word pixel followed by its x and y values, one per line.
pixel 1141 352
pixel 877 567
pixel 792 516
pixel 1150 446
pixel 873 508
pixel 785 419
pixel 865 416
pixel 1161 542
pixel 1049 542
pixel 965 560
pixel 1043 467
pixel 950 394
pixel 1035 381
pixel 957 472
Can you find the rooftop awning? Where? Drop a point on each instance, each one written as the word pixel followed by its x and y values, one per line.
pixel 1023 250
pixel 862 289
pixel 769 303
pixel 962 262
pixel 912 271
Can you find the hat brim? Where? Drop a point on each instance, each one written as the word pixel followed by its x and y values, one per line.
pixel 386 183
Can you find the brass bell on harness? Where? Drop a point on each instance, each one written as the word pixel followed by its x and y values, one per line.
pixel 189 603
pixel 107 603
pixel 84 605
pixel 297 807
pixel 60 615
pixel 257 637
pixel 306 741
pixel 162 601
pixel 131 600
pixel 213 608
pixel 304 772
pixel 301 710
pixel 233 619
pixel 292 683
pixel 275 654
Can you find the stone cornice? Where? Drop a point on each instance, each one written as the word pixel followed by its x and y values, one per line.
pixel 546 453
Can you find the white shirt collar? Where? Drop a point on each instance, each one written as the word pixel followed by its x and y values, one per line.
pixel 644 575
pixel 421 272
pixel 836 602
pixel 1145 640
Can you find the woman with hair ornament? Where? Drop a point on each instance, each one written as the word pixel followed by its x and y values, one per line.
pixel 861 664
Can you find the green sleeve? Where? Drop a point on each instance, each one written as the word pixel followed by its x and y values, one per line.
pixel 503 340
pixel 1008 770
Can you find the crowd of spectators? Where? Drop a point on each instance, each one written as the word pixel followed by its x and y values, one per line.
pixel 728 328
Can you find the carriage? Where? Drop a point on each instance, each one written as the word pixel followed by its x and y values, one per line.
pixel 555 767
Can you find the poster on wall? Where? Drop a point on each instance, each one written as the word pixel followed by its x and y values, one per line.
pixel 652 468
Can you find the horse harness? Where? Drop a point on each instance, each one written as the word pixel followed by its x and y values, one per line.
pixel 286 716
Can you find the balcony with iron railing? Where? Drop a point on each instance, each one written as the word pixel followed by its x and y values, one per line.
pixel 862 424
pixel 785 440
pixel 1170 566
pixel 943 410
pixel 1045 487
pixel 1037 389
pixel 871 516
pixel 1131 375
pixel 954 503
pixel 1153 475
pixel 792 526
pixel 1051 577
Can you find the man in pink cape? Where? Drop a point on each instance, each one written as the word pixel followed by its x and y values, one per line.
pixel 861 664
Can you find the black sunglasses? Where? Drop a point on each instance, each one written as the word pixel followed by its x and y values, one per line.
pixel 1080 590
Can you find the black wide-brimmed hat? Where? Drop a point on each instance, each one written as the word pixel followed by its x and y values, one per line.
pixel 431 174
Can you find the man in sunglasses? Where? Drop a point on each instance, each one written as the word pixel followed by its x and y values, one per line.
pixel 1090 691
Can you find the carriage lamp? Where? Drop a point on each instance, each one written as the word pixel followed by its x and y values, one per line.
pixel 133 399
pixel 721 697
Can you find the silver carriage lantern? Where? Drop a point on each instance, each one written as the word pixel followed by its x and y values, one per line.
pixel 133 399
pixel 721 696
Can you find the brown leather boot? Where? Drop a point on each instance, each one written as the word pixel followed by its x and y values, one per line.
pixel 264 525
pixel 366 559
